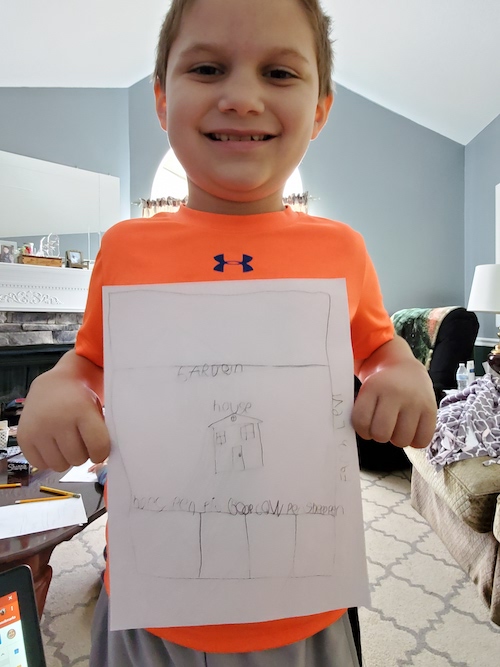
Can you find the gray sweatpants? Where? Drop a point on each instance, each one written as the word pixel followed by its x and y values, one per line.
pixel 332 647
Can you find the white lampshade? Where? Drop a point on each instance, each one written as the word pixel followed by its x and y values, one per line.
pixel 485 291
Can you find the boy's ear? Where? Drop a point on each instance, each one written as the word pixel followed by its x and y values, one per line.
pixel 322 112
pixel 161 104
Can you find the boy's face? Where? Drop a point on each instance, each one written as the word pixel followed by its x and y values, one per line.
pixel 240 102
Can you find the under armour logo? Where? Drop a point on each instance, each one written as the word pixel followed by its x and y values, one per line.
pixel 221 263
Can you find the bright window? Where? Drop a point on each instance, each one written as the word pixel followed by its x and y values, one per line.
pixel 170 180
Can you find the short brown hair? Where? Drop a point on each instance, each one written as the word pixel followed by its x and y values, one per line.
pixel 319 21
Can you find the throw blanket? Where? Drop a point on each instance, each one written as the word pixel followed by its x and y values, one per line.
pixel 468 424
pixel 419 327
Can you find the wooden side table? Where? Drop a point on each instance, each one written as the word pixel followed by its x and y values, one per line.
pixel 36 549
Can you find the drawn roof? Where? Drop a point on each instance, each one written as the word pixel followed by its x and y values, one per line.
pixel 236 419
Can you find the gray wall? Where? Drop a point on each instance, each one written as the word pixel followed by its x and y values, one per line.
pixel 148 142
pixel 482 174
pixel 402 186
pixel 78 127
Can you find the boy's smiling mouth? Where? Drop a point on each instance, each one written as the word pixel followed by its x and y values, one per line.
pixel 215 136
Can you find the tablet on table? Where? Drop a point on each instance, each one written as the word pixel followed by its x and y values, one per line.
pixel 20 636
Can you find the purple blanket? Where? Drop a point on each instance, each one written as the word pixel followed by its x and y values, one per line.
pixel 468 424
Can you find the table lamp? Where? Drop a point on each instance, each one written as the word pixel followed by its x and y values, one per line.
pixel 485 298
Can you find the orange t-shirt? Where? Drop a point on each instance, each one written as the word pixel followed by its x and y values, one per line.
pixel 194 246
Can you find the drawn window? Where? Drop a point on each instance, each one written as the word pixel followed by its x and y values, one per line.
pixel 247 432
pixel 220 438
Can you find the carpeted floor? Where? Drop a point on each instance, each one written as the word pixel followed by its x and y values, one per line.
pixel 424 610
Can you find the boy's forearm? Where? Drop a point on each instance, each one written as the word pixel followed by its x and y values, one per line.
pixel 80 368
pixel 62 420
pixel 394 352
pixel 396 401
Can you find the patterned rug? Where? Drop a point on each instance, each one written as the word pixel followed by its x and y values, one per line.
pixel 424 610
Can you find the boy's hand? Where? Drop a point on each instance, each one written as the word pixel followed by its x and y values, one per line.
pixel 396 401
pixel 97 467
pixel 62 423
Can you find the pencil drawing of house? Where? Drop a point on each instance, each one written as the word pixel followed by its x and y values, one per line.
pixel 237 443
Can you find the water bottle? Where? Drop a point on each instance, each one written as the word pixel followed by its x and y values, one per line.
pixel 462 377
pixel 472 372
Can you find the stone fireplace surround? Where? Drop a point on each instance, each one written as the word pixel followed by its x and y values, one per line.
pixel 19 328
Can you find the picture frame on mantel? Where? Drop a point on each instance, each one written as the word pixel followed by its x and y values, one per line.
pixel 74 259
pixel 8 250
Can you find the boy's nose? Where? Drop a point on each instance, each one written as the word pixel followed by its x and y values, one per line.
pixel 242 96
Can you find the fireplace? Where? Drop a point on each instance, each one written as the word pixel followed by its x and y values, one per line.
pixel 19 366
pixel 41 310
pixel 31 343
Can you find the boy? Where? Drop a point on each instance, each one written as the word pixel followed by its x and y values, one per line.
pixel 242 87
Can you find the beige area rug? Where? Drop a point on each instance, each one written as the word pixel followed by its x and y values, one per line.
pixel 424 610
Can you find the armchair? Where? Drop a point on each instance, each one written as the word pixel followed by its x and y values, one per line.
pixel 440 338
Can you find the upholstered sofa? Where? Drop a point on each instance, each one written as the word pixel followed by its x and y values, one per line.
pixel 461 502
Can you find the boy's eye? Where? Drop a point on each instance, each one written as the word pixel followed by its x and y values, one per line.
pixel 281 74
pixel 206 70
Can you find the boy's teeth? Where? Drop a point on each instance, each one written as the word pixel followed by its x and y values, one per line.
pixel 231 137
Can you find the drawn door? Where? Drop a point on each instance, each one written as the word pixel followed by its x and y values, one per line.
pixel 238 462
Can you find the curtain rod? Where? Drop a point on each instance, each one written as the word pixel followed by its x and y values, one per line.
pixel 140 202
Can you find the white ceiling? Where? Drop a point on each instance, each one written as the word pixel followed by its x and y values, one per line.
pixel 436 62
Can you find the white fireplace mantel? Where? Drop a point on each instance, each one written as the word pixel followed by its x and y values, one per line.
pixel 43 288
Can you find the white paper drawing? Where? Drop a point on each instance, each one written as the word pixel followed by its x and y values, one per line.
pixel 27 518
pixel 80 473
pixel 234 495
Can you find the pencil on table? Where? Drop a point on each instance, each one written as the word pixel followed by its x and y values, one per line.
pixel 41 500
pixel 59 492
pixel 10 486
